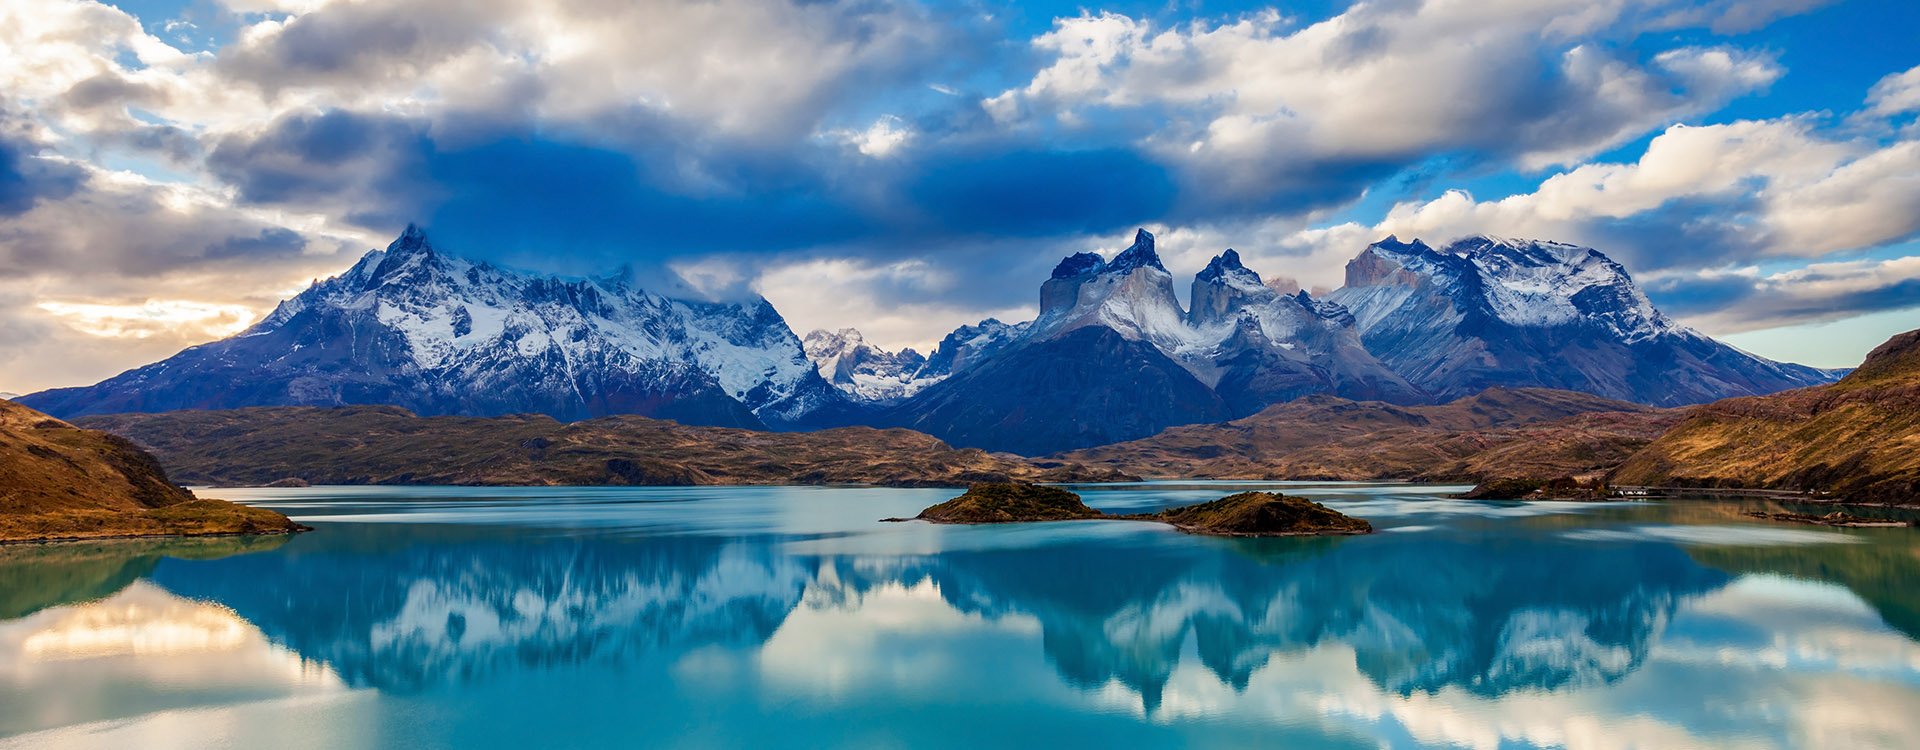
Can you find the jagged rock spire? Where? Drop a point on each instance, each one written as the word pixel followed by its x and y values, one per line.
pixel 412 239
pixel 1138 255
pixel 1223 264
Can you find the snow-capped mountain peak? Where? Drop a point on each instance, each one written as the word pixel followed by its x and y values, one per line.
pixel 440 333
pixel 865 371
pixel 1485 311
pixel 1132 294
pixel 1225 287
pixel 1140 254
pixel 1527 283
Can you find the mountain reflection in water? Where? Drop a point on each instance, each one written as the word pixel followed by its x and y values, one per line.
pixel 1486 610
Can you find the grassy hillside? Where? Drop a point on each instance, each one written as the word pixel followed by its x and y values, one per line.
pixel 1858 438
pixel 58 481
pixel 1499 432
pixel 388 445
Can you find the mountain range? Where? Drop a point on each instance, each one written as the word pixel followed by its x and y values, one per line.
pixel 436 333
pixel 1113 355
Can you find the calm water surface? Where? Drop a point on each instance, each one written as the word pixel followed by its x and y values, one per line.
pixel 788 617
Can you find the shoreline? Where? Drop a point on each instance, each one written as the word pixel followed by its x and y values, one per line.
pixel 302 529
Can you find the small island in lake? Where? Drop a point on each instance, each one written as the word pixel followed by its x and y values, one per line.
pixel 1008 502
pixel 1262 514
pixel 1244 514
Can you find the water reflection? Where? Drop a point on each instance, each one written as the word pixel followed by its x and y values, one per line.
pixel 91 641
pixel 1420 613
pixel 464 605
pixel 1482 627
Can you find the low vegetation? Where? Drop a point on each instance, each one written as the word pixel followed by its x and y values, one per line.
pixel 1857 439
pixel 389 445
pixel 1244 514
pixel 1009 503
pixel 58 481
pixel 1262 514
pixel 1500 432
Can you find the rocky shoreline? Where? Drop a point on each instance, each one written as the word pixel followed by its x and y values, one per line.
pixel 1836 518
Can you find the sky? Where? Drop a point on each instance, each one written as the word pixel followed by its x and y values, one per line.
pixel 170 169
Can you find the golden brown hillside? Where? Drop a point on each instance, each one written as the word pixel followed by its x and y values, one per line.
pixel 1857 439
pixel 389 445
pixel 1500 432
pixel 58 481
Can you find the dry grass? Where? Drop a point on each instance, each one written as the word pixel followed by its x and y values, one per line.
pixel 386 445
pixel 1858 438
pixel 58 481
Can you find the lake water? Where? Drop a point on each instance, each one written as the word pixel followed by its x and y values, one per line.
pixel 789 617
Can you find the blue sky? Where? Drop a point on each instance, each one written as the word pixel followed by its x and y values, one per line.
pixel 169 169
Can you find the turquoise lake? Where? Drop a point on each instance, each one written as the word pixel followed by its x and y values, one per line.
pixel 790 617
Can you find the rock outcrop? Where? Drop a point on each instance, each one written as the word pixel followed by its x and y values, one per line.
pixel 1009 503
pixel 1262 514
pixel 1244 514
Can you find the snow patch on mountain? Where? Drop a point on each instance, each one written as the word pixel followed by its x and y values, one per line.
pixel 442 334
pixel 1523 283
pixel 864 371
pixel 1132 294
pixel 456 314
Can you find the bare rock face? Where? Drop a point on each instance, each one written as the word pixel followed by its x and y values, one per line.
pixel 1012 502
pixel 1263 514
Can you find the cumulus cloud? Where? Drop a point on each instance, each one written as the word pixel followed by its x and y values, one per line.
pixel 737 65
pixel 1258 111
pixel 577 135
pixel 1754 189
pixel 880 139
pixel 889 302
pixel 1896 93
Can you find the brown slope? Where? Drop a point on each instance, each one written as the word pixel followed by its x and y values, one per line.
pixel 1858 438
pixel 388 445
pixel 1323 437
pixel 58 481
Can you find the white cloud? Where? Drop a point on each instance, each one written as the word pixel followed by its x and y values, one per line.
pixel 1253 102
pixel 893 303
pixel 886 135
pixel 1751 301
pixel 1811 195
pixel 1896 93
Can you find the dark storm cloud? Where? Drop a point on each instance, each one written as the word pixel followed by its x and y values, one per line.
pixel 525 196
pixel 272 241
pixel 338 158
pixel 26 179
pixel 659 190
pixel 1693 232
pixel 1033 192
